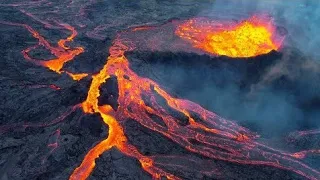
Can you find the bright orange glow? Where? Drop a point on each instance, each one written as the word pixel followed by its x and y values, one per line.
pixel 247 39
pixel 64 55
pixel 62 52
pixel 183 122
pixel 116 137
pixel 303 154
pixel 77 77
pixel 237 144
pixel 142 28
pixel 115 131
pixel 57 64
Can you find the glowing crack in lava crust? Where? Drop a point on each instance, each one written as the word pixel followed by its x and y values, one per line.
pixel 195 128
pixel 247 39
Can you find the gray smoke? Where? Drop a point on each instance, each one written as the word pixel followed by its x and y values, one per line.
pixel 265 108
pixel 300 17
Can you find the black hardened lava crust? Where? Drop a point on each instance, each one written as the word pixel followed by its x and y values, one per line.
pixel 230 82
pixel 270 94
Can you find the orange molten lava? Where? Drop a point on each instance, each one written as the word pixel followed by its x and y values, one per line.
pixel 202 132
pixel 62 52
pixel 247 39
pixel 184 122
pixel 77 77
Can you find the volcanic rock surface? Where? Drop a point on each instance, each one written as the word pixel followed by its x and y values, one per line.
pixel 44 134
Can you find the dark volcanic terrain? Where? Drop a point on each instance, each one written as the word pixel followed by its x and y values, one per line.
pixel 45 134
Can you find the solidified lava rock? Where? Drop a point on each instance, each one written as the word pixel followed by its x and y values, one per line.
pixel 27 96
pixel 115 165
pixel 109 93
pixel 152 143
pixel 193 70
pixel 77 93
pixel 94 124
pixel 273 88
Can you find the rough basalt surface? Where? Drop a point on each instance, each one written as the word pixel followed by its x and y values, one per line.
pixel 42 135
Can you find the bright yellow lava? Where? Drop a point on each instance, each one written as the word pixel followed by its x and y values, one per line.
pixel 247 39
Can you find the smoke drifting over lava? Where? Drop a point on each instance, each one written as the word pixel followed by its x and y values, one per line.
pixel 94 95
pixel 268 99
pixel 299 17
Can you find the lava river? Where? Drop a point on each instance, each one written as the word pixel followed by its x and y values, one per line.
pixel 196 129
pixel 184 122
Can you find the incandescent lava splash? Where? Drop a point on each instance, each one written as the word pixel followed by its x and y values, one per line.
pixel 247 39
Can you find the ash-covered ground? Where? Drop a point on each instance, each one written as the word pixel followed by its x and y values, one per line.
pixel 44 136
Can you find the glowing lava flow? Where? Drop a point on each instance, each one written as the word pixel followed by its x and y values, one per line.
pixel 77 77
pixel 116 137
pixel 62 52
pixel 184 122
pixel 249 38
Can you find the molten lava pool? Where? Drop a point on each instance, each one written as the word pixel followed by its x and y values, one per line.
pixel 248 38
pixel 187 125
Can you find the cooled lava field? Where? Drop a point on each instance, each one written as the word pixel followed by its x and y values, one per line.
pixel 150 89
